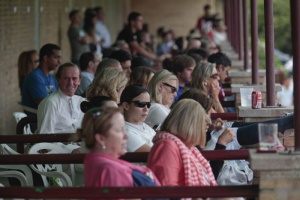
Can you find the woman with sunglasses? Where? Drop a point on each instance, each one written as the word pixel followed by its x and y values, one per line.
pixel 136 103
pixel 205 78
pixel 163 90
pixel 103 130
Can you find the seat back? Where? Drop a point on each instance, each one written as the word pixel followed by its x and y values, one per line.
pixel 51 170
pixel 20 115
pixel 7 150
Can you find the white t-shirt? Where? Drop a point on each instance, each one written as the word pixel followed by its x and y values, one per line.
pixel 138 135
pixel 157 114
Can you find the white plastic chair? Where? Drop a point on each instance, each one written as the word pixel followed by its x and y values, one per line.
pixel 18 116
pixel 6 150
pixel 15 174
pixel 51 170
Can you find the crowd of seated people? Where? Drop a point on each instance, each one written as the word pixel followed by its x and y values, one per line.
pixel 136 98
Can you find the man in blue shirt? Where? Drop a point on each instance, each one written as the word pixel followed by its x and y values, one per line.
pixel 39 83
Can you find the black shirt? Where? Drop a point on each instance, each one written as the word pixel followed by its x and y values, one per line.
pixel 127 35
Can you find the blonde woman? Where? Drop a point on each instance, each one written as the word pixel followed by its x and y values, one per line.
pixel 109 82
pixel 174 159
pixel 205 78
pixel 162 89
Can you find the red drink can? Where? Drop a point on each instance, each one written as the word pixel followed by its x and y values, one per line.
pixel 256 99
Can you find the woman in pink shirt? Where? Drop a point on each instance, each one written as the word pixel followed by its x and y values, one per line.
pixel 174 159
pixel 104 133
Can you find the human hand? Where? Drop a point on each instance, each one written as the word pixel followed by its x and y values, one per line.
pixel 226 137
pixel 78 150
pixel 218 124
pixel 215 88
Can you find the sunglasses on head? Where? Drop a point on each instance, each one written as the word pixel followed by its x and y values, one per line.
pixel 173 89
pixel 214 76
pixel 141 104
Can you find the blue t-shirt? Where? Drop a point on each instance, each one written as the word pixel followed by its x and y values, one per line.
pixel 37 85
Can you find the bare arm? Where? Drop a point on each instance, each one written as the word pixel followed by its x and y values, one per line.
pixel 135 45
pixel 144 148
pixel 215 90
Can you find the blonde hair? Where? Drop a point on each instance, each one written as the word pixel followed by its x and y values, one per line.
pixel 187 120
pixel 160 76
pixel 95 121
pixel 107 83
pixel 202 71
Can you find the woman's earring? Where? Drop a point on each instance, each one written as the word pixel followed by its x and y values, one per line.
pixel 103 147
pixel 205 83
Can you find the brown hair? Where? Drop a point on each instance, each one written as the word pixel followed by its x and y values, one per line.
pixel 25 64
pixel 95 121
pixel 65 65
pixel 140 76
pixel 199 96
pixel 181 62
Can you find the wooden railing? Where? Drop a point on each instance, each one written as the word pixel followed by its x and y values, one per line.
pixel 130 157
pixel 226 116
pixel 248 191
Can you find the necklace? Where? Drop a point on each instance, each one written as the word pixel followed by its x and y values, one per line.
pixel 140 127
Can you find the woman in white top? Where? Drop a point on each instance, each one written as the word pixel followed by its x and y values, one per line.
pixel 135 101
pixel 163 90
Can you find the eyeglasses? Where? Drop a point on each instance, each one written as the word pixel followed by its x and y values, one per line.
pixel 141 104
pixel 173 89
pixel 214 76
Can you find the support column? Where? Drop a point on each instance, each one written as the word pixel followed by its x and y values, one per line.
pixel 270 67
pixel 254 42
pixel 238 28
pixel 295 22
pixel 228 19
pixel 245 31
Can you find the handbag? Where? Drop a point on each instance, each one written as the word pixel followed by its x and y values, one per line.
pixel 235 172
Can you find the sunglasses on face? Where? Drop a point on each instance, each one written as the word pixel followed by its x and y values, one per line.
pixel 142 104
pixel 173 89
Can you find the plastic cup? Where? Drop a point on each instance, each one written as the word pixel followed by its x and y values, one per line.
pixel 267 136
pixel 246 96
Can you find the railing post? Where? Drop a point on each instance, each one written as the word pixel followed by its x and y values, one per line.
pixel 295 30
pixel 254 42
pixel 238 27
pixel 270 67
pixel 245 31
pixel 228 19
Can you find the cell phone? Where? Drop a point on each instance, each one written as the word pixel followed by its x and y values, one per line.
pixel 156 127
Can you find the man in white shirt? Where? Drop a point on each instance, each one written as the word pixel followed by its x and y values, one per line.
pixel 101 28
pixel 60 112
